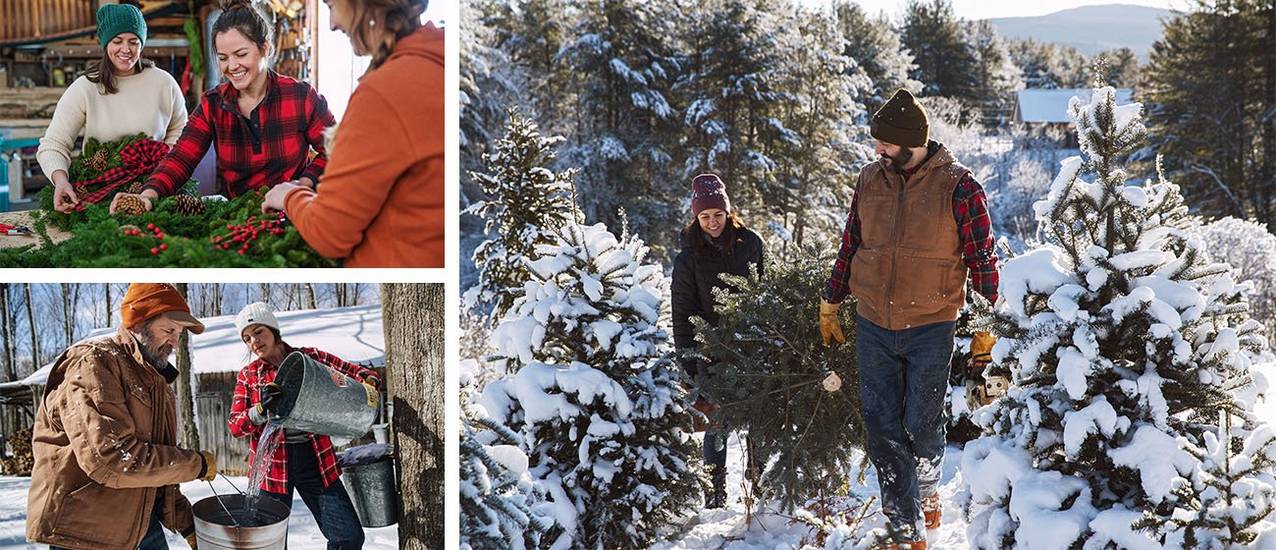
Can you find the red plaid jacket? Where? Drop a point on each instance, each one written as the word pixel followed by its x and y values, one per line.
pixel 248 392
pixel 269 147
pixel 974 226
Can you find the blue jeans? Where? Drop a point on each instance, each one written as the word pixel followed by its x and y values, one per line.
pixel 154 538
pixel 903 386
pixel 331 506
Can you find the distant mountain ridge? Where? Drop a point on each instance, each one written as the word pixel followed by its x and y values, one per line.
pixel 1092 29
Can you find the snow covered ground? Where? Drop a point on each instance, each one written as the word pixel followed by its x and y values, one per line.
pixel 725 529
pixel 303 533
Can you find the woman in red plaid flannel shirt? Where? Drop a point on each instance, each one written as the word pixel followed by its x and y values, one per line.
pixel 264 125
pixel 305 462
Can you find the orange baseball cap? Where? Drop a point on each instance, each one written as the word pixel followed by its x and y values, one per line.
pixel 145 300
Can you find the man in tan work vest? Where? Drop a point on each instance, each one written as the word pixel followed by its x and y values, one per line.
pixel 917 229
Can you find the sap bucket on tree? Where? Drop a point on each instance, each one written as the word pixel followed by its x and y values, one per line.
pixel 367 471
pixel 217 529
pixel 318 399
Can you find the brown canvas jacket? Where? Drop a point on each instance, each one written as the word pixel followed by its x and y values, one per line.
pixel 105 446
pixel 908 270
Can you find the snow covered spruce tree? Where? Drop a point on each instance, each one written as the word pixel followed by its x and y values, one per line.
pixel 771 374
pixel 527 202
pixel 595 399
pixel 1126 348
pixel 500 506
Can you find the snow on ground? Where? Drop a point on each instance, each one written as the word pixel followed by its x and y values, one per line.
pixel 303 533
pixel 725 529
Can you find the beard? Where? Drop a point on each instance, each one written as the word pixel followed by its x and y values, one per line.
pixel 155 354
pixel 899 160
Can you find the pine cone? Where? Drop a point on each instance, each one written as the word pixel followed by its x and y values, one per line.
pixel 132 205
pixel 98 161
pixel 135 188
pixel 188 205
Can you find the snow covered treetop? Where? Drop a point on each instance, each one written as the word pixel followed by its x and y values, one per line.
pixel 589 294
pixel 1103 127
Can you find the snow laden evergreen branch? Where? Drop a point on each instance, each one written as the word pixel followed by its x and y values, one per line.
pixel 1126 344
pixel 500 507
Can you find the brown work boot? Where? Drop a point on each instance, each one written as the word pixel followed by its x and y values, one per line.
pixel 932 509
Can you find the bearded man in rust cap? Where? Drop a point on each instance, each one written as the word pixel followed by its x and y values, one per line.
pixel 107 464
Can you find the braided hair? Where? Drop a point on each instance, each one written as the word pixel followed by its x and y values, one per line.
pixel 395 18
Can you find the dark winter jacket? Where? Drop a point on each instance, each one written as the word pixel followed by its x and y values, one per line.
pixel 695 274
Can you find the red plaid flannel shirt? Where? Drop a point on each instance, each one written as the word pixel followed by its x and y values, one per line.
pixel 970 209
pixel 248 392
pixel 270 147
pixel 136 160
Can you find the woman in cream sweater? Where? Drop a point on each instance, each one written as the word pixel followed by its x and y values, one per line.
pixel 120 96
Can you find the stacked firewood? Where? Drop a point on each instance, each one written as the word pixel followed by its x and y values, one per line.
pixel 18 463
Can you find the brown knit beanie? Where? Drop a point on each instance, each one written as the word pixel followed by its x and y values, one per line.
pixel 901 121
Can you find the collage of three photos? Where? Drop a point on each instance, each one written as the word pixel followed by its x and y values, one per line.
pixel 621 274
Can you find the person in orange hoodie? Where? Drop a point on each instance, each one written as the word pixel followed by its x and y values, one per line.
pixel 379 203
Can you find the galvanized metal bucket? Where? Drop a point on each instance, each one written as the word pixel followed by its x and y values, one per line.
pixel 216 529
pixel 370 482
pixel 319 399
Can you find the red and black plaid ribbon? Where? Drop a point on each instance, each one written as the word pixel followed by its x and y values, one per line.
pixel 137 159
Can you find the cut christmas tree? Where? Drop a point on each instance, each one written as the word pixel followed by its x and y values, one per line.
pixel 765 354
pixel 1130 352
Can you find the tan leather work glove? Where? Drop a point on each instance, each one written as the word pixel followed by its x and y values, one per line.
pixel 981 344
pixel 830 329
pixel 210 466
pixel 190 539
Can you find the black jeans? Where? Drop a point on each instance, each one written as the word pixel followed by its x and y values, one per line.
pixel 331 506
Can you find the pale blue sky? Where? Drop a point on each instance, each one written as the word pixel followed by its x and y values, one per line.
pixel 984 9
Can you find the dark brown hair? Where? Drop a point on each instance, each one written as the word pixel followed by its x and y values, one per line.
pixel 395 18
pixel 240 15
pixel 102 71
pixel 699 241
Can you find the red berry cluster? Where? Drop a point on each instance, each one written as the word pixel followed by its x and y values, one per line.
pixel 243 235
pixel 156 233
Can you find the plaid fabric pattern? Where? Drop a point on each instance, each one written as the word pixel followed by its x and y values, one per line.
pixel 137 160
pixel 248 392
pixel 974 226
pixel 271 146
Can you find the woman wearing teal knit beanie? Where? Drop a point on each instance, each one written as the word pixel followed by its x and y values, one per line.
pixel 120 95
